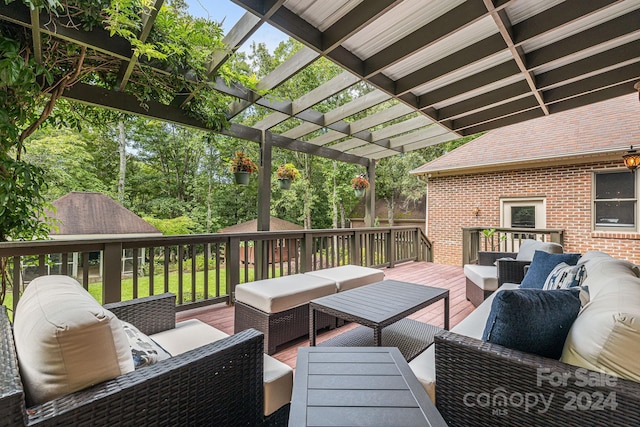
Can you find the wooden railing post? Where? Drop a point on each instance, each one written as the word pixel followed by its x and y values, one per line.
pixel 466 246
pixel 306 249
pixel 111 273
pixel 391 248
pixel 232 261
pixel 357 250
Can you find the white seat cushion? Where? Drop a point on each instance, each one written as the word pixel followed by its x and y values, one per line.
pixel 282 293
pixel 66 340
pixel 191 334
pixel 424 366
pixel 484 276
pixel 350 276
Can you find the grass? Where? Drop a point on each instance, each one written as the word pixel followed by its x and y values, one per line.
pixel 95 289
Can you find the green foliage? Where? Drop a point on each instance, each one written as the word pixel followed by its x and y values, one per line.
pixel 174 226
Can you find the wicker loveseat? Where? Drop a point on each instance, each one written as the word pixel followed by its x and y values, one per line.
pixel 479 383
pixel 217 384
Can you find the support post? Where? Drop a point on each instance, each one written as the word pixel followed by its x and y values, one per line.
pixel 264 202
pixel 232 259
pixel 370 195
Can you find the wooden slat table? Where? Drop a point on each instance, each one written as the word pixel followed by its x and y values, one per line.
pixel 358 386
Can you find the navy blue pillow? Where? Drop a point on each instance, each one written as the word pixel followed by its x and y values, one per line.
pixel 532 320
pixel 541 265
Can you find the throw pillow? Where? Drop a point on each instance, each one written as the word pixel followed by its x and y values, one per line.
pixel 532 320
pixel 528 247
pixel 565 276
pixel 144 350
pixel 542 265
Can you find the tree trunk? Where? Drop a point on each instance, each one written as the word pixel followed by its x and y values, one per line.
pixel 391 205
pixel 123 161
pixel 343 216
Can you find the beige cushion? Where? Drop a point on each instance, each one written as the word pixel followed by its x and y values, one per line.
pixel 191 334
pixel 350 276
pixel 484 276
pixel 606 335
pixel 528 247
pixel 66 340
pixel 606 271
pixel 424 366
pixel 282 293
pixel 187 335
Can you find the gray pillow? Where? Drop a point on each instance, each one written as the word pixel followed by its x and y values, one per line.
pixel 528 247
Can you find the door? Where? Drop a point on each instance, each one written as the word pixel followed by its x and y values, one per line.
pixel 522 213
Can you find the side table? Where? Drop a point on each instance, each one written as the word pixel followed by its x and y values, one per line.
pixel 358 386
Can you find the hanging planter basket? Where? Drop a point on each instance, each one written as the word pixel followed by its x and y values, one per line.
pixel 242 178
pixel 284 183
pixel 359 192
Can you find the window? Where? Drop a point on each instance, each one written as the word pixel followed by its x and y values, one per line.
pixel 615 200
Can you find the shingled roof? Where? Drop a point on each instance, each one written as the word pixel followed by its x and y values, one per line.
pixel 84 213
pixel 597 131
pixel 276 224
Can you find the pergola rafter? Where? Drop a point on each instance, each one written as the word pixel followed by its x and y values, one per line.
pixel 446 68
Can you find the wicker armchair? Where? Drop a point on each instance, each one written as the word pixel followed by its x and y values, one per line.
pixel 217 384
pixel 479 383
pixel 509 270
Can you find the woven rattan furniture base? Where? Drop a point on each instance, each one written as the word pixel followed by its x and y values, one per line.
pixel 278 328
pixel 358 386
pixel 410 336
pixel 377 305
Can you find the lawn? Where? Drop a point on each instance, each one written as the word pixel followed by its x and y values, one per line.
pixel 95 289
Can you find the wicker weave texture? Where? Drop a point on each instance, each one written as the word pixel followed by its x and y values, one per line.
pixel 219 384
pixel 151 314
pixel 482 384
pixel 511 271
pixel 410 336
pixel 12 409
pixel 490 257
pixel 278 328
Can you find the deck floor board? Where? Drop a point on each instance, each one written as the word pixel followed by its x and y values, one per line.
pixel 424 273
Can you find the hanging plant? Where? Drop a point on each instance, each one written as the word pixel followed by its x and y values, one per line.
pixel 287 173
pixel 359 184
pixel 242 167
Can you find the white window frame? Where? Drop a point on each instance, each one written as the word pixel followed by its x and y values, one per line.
pixel 613 227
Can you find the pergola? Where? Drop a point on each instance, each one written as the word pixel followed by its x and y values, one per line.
pixel 449 68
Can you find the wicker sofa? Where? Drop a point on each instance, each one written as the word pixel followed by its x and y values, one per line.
pixel 220 383
pixel 596 382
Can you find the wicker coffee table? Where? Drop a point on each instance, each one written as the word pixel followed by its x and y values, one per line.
pixel 379 307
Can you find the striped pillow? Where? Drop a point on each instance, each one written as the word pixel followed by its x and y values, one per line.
pixel 565 276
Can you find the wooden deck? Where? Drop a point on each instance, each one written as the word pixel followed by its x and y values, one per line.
pixel 425 273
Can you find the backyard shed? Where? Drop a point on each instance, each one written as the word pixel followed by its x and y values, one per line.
pixel 284 250
pixel 90 215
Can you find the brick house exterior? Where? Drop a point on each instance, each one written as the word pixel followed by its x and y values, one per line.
pixel 553 159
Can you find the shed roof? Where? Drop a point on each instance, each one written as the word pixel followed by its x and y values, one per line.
pixel 82 213
pixel 276 224
pixel 597 131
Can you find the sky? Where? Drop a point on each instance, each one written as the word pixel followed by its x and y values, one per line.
pixel 229 13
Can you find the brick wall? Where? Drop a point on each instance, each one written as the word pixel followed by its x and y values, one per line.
pixel 567 190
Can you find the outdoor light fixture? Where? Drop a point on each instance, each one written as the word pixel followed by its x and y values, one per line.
pixel 476 211
pixel 631 159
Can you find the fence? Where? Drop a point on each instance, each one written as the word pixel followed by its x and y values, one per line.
pixel 204 269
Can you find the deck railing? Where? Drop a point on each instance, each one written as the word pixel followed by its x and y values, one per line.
pixel 502 239
pixel 204 269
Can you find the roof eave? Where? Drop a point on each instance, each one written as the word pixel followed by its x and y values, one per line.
pixel 532 163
